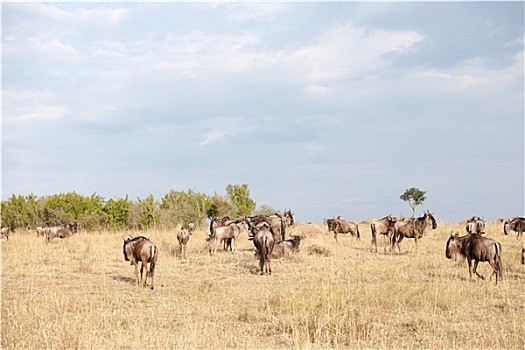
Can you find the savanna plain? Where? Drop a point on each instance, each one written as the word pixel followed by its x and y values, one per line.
pixel 80 293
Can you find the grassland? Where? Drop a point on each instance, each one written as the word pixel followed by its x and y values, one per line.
pixel 80 293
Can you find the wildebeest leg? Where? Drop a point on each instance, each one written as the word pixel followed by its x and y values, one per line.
pixel 143 270
pixel 269 268
pixel 475 268
pixel 415 239
pixel 262 261
pixel 469 267
pixel 137 281
pixel 335 236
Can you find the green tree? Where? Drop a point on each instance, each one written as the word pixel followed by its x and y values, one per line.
pixel 414 197
pixel 239 196
pixel 182 207
pixel 117 213
pixel 264 210
pixel 218 207
pixel 143 214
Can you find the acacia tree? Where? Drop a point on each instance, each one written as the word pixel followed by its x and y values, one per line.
pixel 414 197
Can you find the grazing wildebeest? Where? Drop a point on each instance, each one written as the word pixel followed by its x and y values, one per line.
pixel 477 248
pixel 516 224
pixel 290 246
pixel 384 226
pixel 183 236
pixel 412 228
pixel 4 233
pixel 141 250
pixel 340 225
pixel 57 232
pixel 264 243
pixel 231 231
pixel 476 225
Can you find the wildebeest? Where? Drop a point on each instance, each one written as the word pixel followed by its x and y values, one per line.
pixel 57 232
pixel 476 225
pixel 340 225
pixel 183 236
pixel 141 250
pixel 216 222
pixel 290 246
pixel 384 226
pixel 477 248
pixel 231 231
pixel 523 253
pixel 264 243
pixel 4 233
pixel 277 222
pixel 516 224
pixel 39 231
pixel 412 228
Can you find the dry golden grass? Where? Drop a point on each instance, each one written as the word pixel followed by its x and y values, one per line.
pixel 80 293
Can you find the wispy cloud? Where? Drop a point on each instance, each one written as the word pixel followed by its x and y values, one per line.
pixel 221 128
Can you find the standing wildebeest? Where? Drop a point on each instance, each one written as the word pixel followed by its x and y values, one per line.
pixel 412 228
pixel 40 231
pixel 339 225
pixel 290 246
pixel 214 223
pixel 231 231
pixel 183 236
pixel 264 243
pixel 4 233
pixel 516 224
pixel 141 250
pixel 476 225
pixel 477 248
pixel 384 226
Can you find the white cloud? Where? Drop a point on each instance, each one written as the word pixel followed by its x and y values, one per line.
pixel 349 52
pixel 220 128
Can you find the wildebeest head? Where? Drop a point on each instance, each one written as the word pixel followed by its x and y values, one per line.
pixel 453 246
pixel 126 250
pixel 289 216
pixel 429 217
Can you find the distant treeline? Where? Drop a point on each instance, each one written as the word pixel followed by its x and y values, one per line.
pixel 97 213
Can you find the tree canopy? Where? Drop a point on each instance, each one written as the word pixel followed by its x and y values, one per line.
pixel 414 197
pixel 94 212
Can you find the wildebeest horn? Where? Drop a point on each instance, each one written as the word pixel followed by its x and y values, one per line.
pixel 125 239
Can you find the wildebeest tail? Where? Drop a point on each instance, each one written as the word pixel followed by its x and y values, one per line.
pixel 358 233
pixel 283 225
pixel 373 229
pixel 153 259
pixel 263 253
pixel 498 259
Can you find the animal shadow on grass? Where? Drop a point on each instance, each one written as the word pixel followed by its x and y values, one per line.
pixel 126 279
pixel 252 269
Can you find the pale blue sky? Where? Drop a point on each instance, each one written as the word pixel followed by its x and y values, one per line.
pixel 326 108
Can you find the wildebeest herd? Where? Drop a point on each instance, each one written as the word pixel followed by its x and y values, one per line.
pixel 268 233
